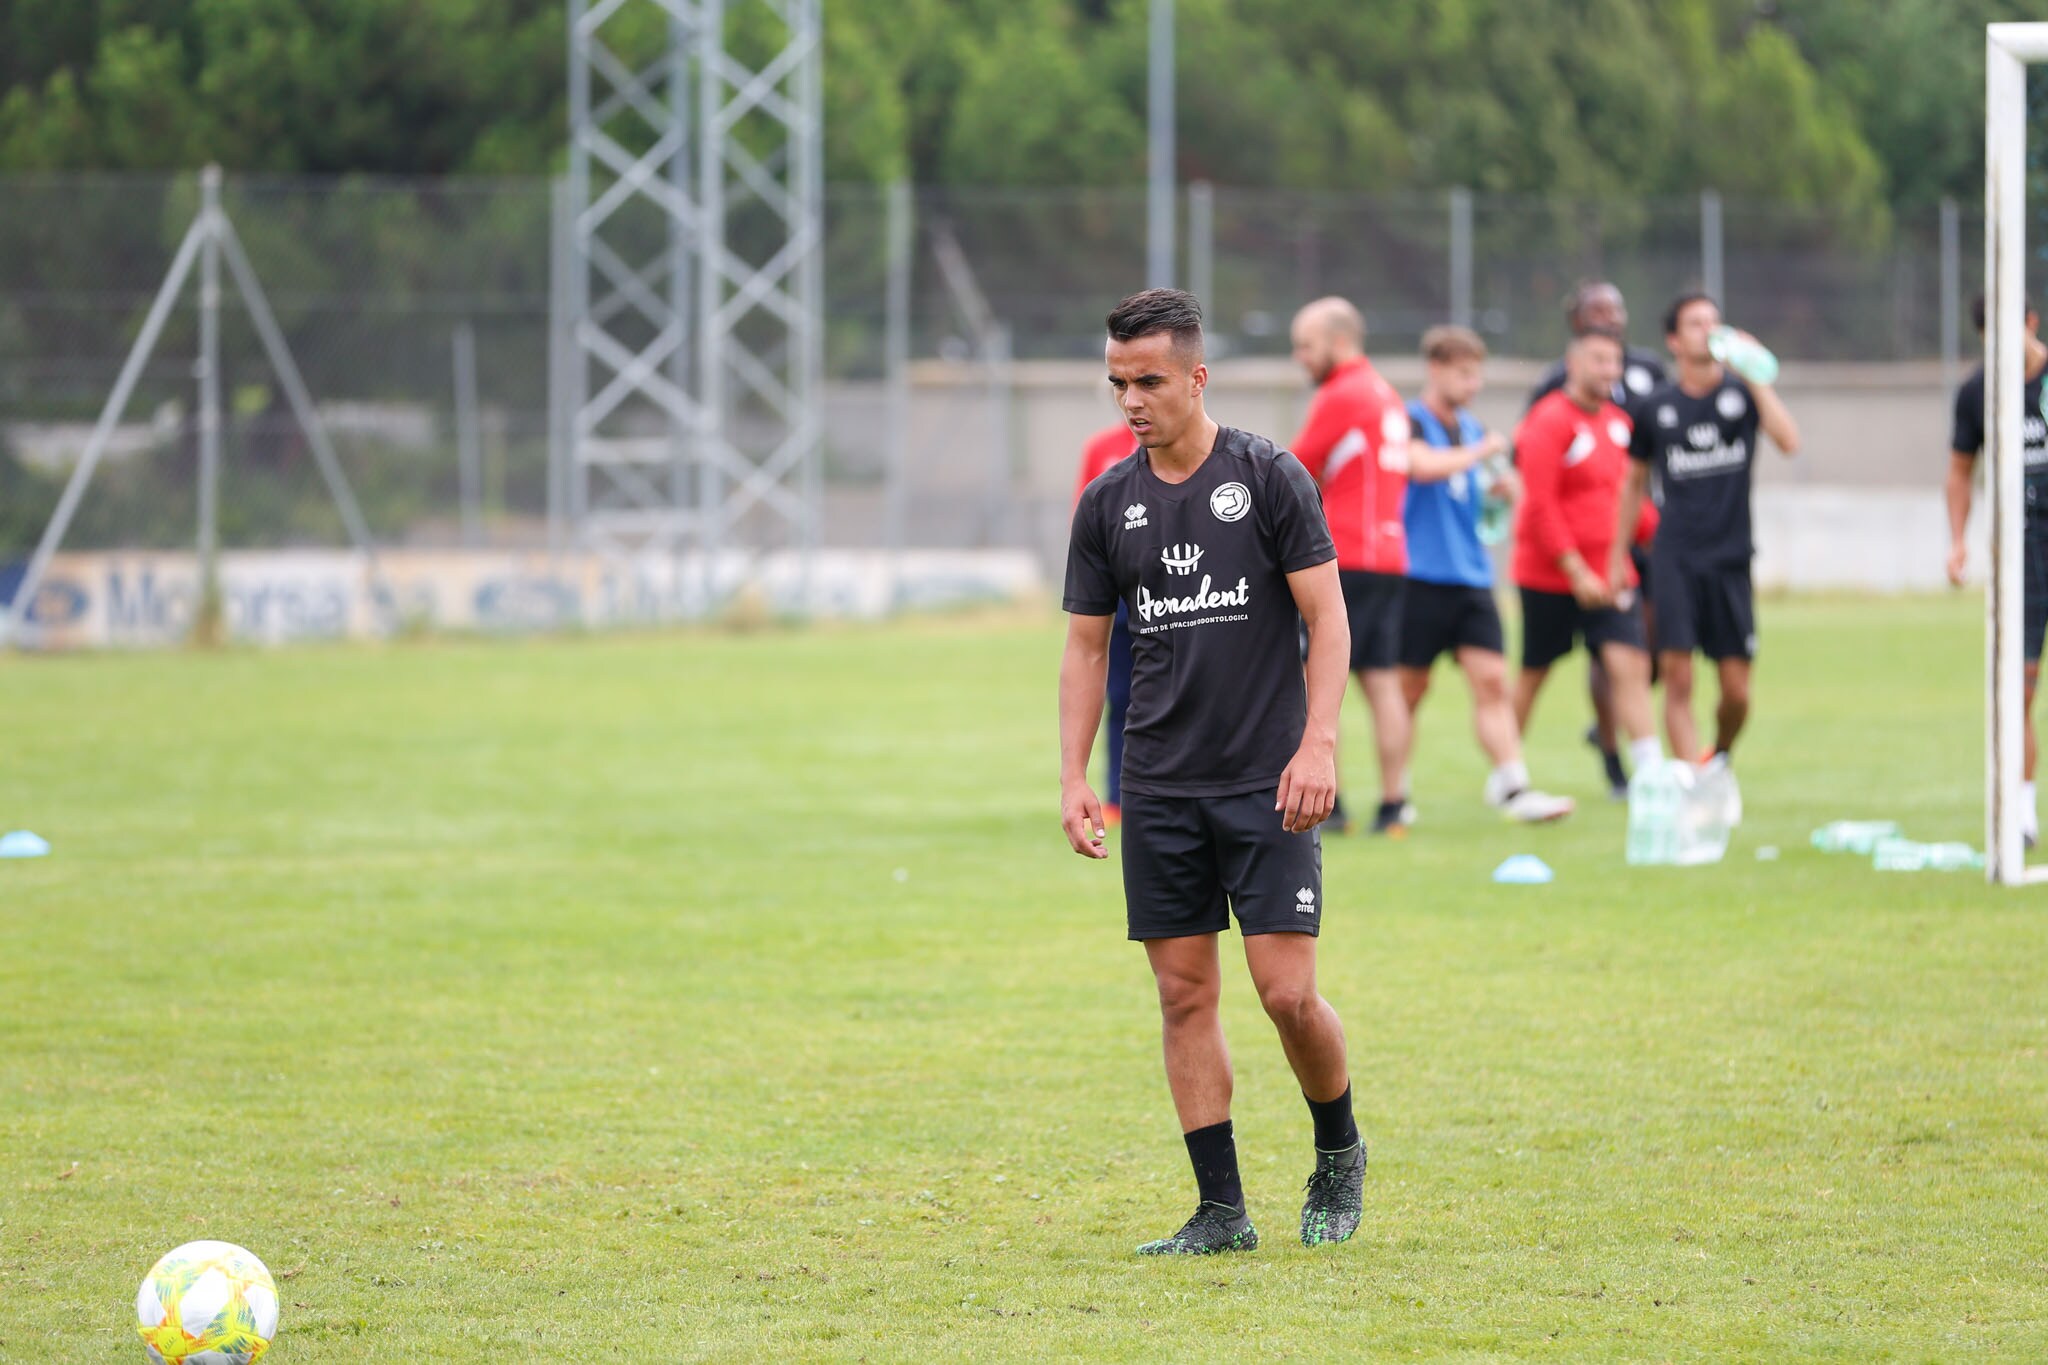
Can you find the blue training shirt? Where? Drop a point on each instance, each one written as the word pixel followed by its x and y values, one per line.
pixel 1442 518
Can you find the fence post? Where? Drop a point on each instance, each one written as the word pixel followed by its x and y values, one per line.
pixel 1160 197
pixel 1461 256
pixel 469 480
pixel 209 621
pixel 1711 279
pixel 899 234
pixel 1202 242
pixel 1951 294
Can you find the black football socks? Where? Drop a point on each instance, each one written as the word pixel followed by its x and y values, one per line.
pixel 1336 1130
pixel 1213 1153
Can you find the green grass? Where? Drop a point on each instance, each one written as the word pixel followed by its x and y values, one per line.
pixel 725 997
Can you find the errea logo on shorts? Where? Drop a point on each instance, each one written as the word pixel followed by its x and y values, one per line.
pixel 1305 901
pixel 1134 516
pixel 1231 502
pixel 1181 558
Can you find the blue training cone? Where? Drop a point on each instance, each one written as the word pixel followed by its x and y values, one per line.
pixel 20 843
pixel 1524 869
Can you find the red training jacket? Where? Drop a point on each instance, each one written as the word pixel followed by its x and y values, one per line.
pixel 1355 442
pixel 1104 449
pixel 1573 464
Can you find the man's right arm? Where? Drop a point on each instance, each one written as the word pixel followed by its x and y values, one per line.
pixel 1625 518
pixel 1962 474
pixel 1084 671
pixel 1434 464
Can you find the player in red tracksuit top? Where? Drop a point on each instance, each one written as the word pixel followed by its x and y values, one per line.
pixel 1355 442
pixel 1572 452
pixel 1105 449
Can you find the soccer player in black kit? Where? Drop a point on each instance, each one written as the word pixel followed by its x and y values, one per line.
pixel 1966 441
pixel 1215 541
pixel 1694 452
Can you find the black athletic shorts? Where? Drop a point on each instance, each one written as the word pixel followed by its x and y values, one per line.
pixel 1442 618
pixel 1706 607
pixel 1551 620
pixel 1190 860
pixel 1372 602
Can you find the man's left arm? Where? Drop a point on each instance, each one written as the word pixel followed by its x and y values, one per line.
pixel 1777 423
pixel 1308 788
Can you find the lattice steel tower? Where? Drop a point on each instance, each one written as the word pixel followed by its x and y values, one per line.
pixel 690 292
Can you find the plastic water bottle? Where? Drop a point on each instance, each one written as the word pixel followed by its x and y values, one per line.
pixel 1495 511
pixel 1853 836
pixel 1743 354
pixel 1656 805
pixel 1904 855
pixel 1712 808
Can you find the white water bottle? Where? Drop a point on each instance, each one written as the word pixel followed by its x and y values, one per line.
pixel 1656 804
pixel 1744 354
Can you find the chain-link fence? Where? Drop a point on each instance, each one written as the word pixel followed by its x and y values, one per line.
pixel 419 313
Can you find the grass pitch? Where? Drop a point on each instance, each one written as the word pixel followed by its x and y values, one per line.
pixel 702 997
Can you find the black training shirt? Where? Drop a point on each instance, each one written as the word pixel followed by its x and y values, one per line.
pixel 1217 698
pixel 1968 439
pixel 1701 452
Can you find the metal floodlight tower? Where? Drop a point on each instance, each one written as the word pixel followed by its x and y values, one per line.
pixel 693 293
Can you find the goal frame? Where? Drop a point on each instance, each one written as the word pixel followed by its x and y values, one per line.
pixel 2009 49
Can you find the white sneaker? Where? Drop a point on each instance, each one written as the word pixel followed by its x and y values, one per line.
pixel 1532 807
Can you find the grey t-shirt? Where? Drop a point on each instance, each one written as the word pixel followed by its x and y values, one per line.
pixel 1217 698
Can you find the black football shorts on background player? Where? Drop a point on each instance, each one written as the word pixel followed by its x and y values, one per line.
pixel 1191 860
pixel 1443 618
pixel 1707 607
pixel 1372 604
pixel 1552 620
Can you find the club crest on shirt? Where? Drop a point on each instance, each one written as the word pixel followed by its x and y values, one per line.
pixel 1617 432
pixel 1667 416
pixel 1731 404
pixel 1638 379
pixel 1231 502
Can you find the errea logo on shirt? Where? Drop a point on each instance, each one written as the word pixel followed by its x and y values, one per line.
pixel 1134 516
pixel 1305 901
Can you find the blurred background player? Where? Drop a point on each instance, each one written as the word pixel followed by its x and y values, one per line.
pixel 1105 448
pixel 1354 440
pixel 1598 305
pixel 1694 453
pixel 1965 441
pixel 1573 453
pixel 1454 465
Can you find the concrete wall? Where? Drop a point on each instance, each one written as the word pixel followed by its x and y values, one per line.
pixel 1859 508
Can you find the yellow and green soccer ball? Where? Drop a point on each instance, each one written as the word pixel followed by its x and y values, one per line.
pixel 207 1303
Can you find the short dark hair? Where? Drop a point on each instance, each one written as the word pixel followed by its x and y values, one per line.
pixel 1152 311
pixel 1582 294
pixel 1683 302
pixel 1612 334
pixel 1977 308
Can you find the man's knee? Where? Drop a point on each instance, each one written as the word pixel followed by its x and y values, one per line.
pixel 1290 1002
pixel 1676 669
pixel 1184 996
pixel 1735 689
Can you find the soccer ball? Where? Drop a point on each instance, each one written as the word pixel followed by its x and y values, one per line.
pixel 207 1303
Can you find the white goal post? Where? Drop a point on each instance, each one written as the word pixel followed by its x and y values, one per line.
pixel 2008 50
